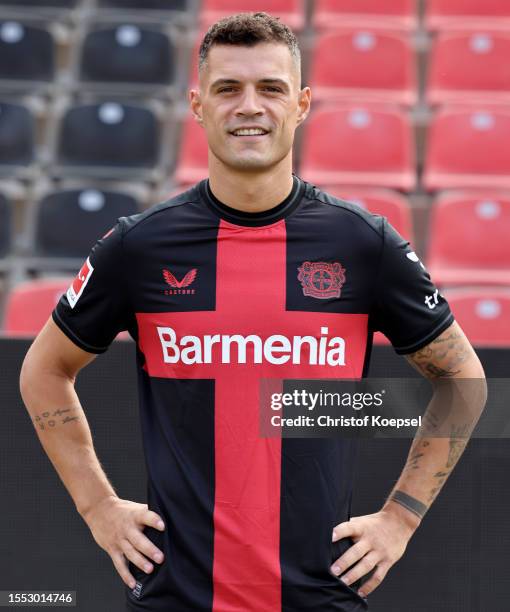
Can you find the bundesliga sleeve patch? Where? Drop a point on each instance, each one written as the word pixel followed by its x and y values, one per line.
pixel 79 283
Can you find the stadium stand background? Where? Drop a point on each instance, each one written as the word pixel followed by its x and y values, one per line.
pixel 94 124
pixel 411 119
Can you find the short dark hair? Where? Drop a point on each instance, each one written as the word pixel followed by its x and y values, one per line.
pixel 249 29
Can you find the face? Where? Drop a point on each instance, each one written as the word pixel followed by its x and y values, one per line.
pixel 250 104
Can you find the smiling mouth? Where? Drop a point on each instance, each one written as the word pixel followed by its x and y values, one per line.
pixel 249 132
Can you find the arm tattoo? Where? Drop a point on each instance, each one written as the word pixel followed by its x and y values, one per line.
pixel 440 480
pixel 457 443
pixel 50 420
pixel 442 357
pixel 414 505
pixel 415 454
pixel 452 413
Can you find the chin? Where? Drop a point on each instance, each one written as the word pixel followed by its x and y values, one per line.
pixel 250 163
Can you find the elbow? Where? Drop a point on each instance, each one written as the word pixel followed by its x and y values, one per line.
pixel 483 391
pixel 480 390
pixel 30 376
pixel 26 378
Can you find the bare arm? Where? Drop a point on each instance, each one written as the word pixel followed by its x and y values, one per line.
pixel 458 400
pixel 47 382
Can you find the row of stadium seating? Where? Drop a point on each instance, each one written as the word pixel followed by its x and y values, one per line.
pixel 397 14
pixel 467 146
pixel 122 54
pixel 468 234
pixel 484 314
pixel 383 66
pixel 416 109
pixel 346 64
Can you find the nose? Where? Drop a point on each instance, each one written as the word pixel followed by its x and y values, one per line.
pixel 249 103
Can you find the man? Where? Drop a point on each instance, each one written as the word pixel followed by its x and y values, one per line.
pixel 223 286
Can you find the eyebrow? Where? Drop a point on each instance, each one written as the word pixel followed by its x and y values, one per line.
pixel 267 81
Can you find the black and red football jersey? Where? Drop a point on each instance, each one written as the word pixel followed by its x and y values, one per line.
pixel 217 300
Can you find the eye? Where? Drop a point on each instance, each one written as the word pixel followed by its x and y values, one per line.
pixel 225 89
pixel 272 89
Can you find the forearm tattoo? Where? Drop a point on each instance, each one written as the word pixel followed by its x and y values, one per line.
pixel 411 503
pixel 457 443
pixel 415 454
pixel 458 440
pixel 53 418
pixel 449 414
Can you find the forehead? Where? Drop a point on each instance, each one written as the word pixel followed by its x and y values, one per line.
pixel 242 63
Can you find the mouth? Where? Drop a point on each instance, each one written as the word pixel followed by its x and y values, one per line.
pixel 249 132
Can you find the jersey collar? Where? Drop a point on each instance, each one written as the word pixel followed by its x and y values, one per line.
pixel 254 219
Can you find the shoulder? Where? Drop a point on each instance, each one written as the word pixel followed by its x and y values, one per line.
pixel 346 211
pixel 137 224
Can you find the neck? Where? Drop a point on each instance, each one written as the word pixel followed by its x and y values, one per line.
pixel 250 191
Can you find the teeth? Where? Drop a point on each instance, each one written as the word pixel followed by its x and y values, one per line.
pixel 249 132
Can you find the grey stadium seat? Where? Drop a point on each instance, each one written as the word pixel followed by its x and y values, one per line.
pixel 40 3
pixel 16 135
pixel 127 54
pixel 109 134
pixel 26 52
pixel 5 226
pixel 69 222
pixel 157 5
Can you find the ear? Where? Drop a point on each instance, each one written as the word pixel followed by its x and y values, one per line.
pixel 195 103
pixel 304 102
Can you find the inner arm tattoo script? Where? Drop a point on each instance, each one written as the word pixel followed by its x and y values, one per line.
pixel 53 418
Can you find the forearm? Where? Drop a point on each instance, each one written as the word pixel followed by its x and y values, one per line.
pixel 460 393
pixel 447 426
pixel 428 466
pixel 64 433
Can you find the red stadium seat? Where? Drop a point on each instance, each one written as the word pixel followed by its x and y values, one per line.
pixel 364 145
pixel 364 64
pixel 30 304
pixel 468 147
pixel 291 12
pixel 389 15
pixel 483 314
pixel 383 202
pixel 469 239
pixel 475 15
pixel 469 66
pixel 192 165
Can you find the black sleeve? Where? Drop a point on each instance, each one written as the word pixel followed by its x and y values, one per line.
pixel 407 307
pixel 95 308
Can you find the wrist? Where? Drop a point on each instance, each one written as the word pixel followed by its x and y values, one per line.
pixel 85 511
pixel 408 519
